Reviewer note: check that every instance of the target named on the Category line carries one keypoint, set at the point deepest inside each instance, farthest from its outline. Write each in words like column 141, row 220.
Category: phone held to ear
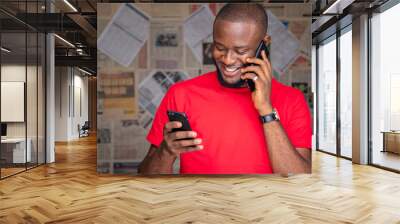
column 260, row 48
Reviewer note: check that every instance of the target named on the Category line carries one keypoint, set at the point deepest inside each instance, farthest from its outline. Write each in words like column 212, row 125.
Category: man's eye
column 219, row 48
column 242, row 52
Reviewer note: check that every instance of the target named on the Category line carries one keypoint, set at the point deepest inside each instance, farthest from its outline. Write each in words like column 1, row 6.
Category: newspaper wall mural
column 143, row 49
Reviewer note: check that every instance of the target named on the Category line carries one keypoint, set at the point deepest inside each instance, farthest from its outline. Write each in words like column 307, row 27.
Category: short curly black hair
column 244, row 12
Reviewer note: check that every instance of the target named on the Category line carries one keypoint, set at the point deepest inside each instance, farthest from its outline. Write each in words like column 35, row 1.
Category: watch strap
column 269, row 117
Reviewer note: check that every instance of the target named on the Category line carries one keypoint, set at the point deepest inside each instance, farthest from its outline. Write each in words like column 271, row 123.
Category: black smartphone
column 181, row 117
column 260, row 48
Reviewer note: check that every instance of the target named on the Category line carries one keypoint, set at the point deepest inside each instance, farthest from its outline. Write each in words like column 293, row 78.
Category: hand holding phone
column 180, row 117
column 250, row 83
column 180, row 138
column 259, row 68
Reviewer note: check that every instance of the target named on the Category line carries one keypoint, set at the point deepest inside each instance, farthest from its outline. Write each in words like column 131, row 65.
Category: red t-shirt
column 229, row 125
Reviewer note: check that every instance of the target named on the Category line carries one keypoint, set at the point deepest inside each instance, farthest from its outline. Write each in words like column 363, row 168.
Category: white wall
column 33, row 126
column 16, row 73
column 61, row 103
column 13, row 73
column 70, row 83
column 79, row 117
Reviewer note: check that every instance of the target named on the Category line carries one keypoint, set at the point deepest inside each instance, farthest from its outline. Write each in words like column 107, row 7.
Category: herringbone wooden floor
column 70, row 191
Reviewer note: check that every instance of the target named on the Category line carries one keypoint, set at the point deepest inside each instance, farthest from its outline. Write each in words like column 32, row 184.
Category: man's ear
column 267, row 39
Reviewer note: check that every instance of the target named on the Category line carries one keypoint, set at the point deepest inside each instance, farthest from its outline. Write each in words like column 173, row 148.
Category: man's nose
column 228, row 58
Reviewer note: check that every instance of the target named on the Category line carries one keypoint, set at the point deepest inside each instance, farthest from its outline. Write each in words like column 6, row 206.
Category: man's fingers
column 188, row 149
column 263, row 64
column 257, row 61
column 252, row 76
column 194, row 148
column 171, row 125
column 186, row 143
column 183, row 134
column 178, row 142
column 252, row 69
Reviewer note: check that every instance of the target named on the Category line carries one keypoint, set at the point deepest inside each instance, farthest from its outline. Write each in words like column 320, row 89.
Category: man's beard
column 239, row 84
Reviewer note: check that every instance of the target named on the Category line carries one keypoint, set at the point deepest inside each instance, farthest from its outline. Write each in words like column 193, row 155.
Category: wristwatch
column 270, row 117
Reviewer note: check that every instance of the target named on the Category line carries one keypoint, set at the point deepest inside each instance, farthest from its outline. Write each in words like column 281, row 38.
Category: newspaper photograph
column 196, row 28
column 207, row 54
column 117, row 91
column 166, row 45
column 128, row 140
column 154, row 87
column 125, row 34
column 284, row 46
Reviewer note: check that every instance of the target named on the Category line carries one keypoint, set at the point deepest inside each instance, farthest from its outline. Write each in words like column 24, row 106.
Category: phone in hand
column 262, row 46
column 181, row 117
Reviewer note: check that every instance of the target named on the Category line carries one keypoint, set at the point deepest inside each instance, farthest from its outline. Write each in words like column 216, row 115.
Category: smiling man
column 235, row 130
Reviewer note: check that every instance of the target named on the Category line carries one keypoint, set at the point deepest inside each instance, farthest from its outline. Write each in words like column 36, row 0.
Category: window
column 327, row 96
column 346, row 92
column 22, row 78
column 385, row 88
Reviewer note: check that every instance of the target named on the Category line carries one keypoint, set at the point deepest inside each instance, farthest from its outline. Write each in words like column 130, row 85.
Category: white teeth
column 231, row 69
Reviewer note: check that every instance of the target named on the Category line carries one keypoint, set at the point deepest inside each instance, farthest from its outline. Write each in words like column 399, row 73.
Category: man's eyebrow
column 242, row 47
column 236, row 47
column 216, row 42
